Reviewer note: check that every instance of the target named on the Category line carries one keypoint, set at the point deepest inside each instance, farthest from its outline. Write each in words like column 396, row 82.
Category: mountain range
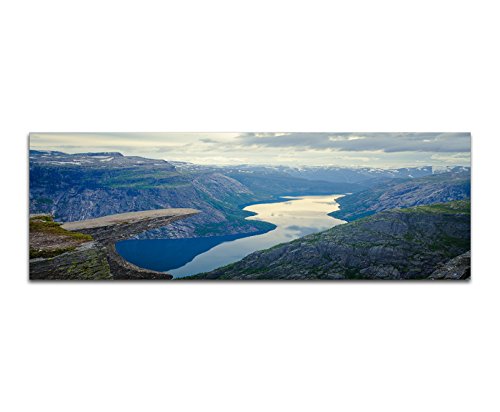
column 406, row 223
column 80, row 186
column 87, row 185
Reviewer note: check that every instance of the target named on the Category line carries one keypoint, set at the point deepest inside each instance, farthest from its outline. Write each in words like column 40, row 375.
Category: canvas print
column 249, row 206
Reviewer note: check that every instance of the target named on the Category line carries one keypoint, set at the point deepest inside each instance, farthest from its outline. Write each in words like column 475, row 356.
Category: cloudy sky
column 311, row 149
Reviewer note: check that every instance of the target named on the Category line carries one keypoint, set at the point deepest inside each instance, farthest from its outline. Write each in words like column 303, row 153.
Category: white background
column 249, row 66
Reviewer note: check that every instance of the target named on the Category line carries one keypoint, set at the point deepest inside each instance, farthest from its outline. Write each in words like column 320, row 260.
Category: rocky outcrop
column 398, row 244
column 113, row 228
column 86, row 262
column 77, row 257
column 457, row 268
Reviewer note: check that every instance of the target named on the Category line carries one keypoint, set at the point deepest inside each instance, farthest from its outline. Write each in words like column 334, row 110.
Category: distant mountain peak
column 113, row 154
column 100, row 160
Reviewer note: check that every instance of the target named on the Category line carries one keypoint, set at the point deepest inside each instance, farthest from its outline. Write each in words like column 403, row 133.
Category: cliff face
column 85, row 250
column 398, row 244
column 75, row 192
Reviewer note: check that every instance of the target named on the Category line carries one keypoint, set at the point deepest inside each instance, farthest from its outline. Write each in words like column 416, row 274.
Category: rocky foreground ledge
column 86, row 249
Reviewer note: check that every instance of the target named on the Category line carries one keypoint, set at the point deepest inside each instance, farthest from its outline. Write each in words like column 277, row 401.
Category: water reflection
column 294, row 218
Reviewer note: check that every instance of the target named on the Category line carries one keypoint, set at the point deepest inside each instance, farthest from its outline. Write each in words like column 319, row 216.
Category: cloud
column 208, row 140
column 385, row 142
column 332, row 149
column 452, row 158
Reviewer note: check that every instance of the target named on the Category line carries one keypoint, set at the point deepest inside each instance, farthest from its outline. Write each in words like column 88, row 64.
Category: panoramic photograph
column 249, row 206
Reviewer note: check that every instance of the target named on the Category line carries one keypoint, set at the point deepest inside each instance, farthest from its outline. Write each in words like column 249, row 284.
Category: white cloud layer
column 338, row 149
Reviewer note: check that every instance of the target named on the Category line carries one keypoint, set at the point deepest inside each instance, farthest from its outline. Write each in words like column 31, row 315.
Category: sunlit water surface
column 294, row 217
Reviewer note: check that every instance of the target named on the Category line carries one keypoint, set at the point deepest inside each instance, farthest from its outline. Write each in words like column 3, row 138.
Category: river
column 294, row 217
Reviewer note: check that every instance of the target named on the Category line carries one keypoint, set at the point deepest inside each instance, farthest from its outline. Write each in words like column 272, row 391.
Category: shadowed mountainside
column 397, row 244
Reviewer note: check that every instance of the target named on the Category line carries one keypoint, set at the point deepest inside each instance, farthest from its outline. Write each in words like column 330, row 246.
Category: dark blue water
column 165, row 254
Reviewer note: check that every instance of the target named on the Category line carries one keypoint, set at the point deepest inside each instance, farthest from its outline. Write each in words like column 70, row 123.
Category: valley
column 77, row 187
column 293, row 217
column 266, row 222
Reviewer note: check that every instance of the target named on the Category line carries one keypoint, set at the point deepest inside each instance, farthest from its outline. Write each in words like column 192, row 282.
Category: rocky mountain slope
column 457, row 268
column 401, row 193
column 82, row 186
column 397, row 244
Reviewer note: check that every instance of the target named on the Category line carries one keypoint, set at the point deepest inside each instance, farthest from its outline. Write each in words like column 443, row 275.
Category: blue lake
column 294, row 217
